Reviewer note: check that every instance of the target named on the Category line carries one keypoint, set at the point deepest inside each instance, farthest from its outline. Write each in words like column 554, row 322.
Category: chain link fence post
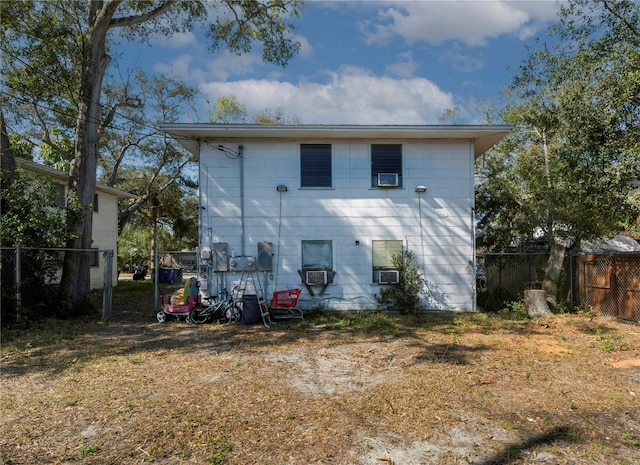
column 107, row 290
column 156, row 266
column 18, row 282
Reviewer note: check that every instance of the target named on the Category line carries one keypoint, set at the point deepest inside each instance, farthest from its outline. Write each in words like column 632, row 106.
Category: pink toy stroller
column 182, row 304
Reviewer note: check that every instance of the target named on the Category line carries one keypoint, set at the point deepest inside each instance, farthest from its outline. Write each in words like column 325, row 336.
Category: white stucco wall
column 348, row 212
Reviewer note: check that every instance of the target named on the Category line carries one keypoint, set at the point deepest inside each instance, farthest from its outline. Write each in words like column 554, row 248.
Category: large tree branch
column 125, row 215
column 141, row 18
column 611, row 9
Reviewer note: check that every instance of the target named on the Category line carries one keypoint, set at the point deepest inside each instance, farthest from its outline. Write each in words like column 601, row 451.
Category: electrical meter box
column 265, row 255
column 219, row 255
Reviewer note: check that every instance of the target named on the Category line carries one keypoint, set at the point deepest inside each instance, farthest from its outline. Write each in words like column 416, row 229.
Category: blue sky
column 373, row 62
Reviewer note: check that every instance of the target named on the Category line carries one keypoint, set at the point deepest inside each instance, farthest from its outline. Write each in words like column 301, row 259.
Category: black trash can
column 250, row 309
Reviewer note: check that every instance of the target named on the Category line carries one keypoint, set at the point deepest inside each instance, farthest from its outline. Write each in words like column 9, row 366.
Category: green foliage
column 631, row 438
column 134, row 246
column 30, row 215
column 54, row 67
column 219, row 450
column 495, row 300
column 155, row 169
column 88, row 451
column 228, row 110
column 567, row 168
column 20, row 147
column 32, row 220
column 356, row 321
column 404, row 296
column 275, row 116
column 514, row 310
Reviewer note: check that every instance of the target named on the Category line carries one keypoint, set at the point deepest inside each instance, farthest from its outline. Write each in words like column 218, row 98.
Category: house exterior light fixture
column 282, row 188
column 420, row 189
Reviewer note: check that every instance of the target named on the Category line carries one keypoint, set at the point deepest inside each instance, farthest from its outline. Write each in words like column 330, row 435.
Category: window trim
column 318, row 267
column 61, row 191
column 305, row 182
column 95, row 257
column 396, row 166
column 388, row 265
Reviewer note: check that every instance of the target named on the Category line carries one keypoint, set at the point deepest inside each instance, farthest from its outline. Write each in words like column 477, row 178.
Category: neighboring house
column 325, row 207
column 105, row 217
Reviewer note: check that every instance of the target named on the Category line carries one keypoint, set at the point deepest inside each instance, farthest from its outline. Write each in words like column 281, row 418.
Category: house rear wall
column 437, row 226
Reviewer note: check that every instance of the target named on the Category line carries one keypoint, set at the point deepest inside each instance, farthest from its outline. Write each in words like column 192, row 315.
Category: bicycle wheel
column 232, row 312
column 199, row 315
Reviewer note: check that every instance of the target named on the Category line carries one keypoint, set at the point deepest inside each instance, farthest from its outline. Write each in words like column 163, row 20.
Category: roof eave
column 190, row 134
column 57, row 174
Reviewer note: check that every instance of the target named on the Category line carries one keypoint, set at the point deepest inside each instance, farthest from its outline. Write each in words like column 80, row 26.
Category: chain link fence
column 30, row 279
column 608, row 284
column 503, row 277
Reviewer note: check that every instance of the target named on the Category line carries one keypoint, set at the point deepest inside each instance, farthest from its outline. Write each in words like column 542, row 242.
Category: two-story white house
column 325, row 207
column 105, row 217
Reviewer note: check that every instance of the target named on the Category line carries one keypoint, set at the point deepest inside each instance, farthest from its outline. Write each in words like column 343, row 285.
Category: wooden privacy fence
column 610, row 284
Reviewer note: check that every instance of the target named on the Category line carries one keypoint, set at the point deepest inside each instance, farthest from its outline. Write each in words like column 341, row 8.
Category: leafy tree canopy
column 56, row 55
column 228, row 110
column 567, row 172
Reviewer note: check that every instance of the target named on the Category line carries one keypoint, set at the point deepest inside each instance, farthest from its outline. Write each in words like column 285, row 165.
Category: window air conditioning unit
column 316, row 277
column 388, row 277
column 387, row 179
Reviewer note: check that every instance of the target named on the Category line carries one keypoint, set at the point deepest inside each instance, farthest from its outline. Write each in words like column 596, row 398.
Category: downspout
column 200, row 206
column 242, row 222
column 474, row 265
column 474, row 259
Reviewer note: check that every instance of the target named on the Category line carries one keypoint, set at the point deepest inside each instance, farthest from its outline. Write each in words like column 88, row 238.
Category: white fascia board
column 190, row 134
column 53, row 173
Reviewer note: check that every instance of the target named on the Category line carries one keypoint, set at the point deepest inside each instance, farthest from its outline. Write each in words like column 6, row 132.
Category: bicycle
column 225, row 308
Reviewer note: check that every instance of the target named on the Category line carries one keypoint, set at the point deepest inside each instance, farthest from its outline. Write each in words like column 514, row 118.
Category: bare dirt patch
column 439, row 389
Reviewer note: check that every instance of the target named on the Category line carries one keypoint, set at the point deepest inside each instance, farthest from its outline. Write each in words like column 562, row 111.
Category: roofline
column 189, row 134
column 54, row 173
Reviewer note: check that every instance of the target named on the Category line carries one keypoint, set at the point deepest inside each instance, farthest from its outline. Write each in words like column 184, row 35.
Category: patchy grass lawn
column 332, row 389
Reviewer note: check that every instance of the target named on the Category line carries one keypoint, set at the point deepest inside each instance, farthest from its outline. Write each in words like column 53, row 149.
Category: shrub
column 404, row 296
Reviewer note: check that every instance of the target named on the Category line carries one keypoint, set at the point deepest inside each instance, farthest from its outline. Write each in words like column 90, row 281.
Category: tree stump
column 535, row 301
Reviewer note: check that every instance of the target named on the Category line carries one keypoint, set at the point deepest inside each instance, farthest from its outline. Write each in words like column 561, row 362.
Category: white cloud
column 180, row 67
column 178, row 40
column 306, row 49
column 202, row 66
column 405, row 67
column 470, row 22
column 351, row 95
column 462, row 59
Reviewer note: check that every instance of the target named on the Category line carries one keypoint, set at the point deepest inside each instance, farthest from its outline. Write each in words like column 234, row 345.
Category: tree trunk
column 535, row 301
column 7, row 155
column 552, row 273
column 8, row 162
column 76, row 271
